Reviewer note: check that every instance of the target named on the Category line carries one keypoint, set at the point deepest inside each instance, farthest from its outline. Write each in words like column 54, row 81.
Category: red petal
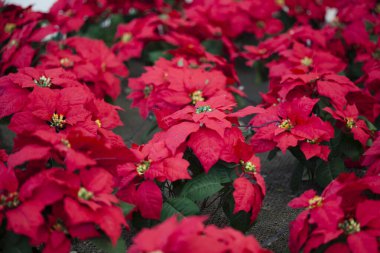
column 207, row 146
column 149, row 200
column 362, row 242
column 176, row 135
column 110, row 220
column 28, row 153
column 176, row 168
column 25, row 220
column 244, row 195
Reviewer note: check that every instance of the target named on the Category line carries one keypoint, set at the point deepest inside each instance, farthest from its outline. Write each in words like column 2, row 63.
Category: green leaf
column 155, row 55
column 326, row 172
column 140, row 222
column 240, row 220
column 178, row 206
column 323, row 175
column 272, row 154
column 213, row 46
column 13, row 243
column 201, row 187
column 222, row 172
column 126, row 207
column 351, row 148
column 105, row 244
column 336, row 167
column 370, row 126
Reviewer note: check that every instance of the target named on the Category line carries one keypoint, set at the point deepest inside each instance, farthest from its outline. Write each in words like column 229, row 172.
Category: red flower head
column 304, row 11
column 107, row 65
column 133, row 37
column 190, row 235
column 15, row 88
column 332, row 86
column 171, row 85
column 91, row 61
column 70, row 15
column 91, row 196
column 372, row 158
column 348, row 116
column 54, row 110
column 301, row 60
column 72, row 148
column 13, row 17
column 154, row 161
column 22, row 205
column 206, row 122
column 18, row 52
column 344, row 211
column 289, row 123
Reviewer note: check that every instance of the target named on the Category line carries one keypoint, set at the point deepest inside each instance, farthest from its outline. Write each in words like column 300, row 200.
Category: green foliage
column 126, row 207
column 179, row 206
column 240, row 220
column 222, row 172
column 156, row 50
column 213, row 46
column 104, row 29
column 350, row 147
column 139, row 222
column 105, row 244
column 13, row 243
column 201, row 187
column 327, row 172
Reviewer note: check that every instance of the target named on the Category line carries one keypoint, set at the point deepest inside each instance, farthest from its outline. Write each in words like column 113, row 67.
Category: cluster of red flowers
column 303, row 77
column 344, row 218
column 305, row 83
column 65, row 155
column 191, row 235
column 54, row 86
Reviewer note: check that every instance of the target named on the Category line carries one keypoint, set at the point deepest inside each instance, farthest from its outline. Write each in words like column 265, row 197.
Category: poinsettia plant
column 68, row 175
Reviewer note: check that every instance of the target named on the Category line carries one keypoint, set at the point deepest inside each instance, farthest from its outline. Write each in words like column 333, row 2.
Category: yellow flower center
column 99, row 123
column 58, row 121
column 43, row 81
column 196, row 96
column 377, row 8
column 59, row 226
column 248, row 167
column 147, row 90
column 350, row 226
column 66, row 143
column 314, row 202
column 201, row 109
column 13, row 43
column 9, row 200
column 313, row 141
column 286, row 124
column 307, row 61
column 68, row 13
column 350, row 122
column 66, row 63
column 9, row 27
column 260, row 24
column 83, row 193
column 280, row 2
column 103, row 67
column 126, row 37
column 142, row 167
